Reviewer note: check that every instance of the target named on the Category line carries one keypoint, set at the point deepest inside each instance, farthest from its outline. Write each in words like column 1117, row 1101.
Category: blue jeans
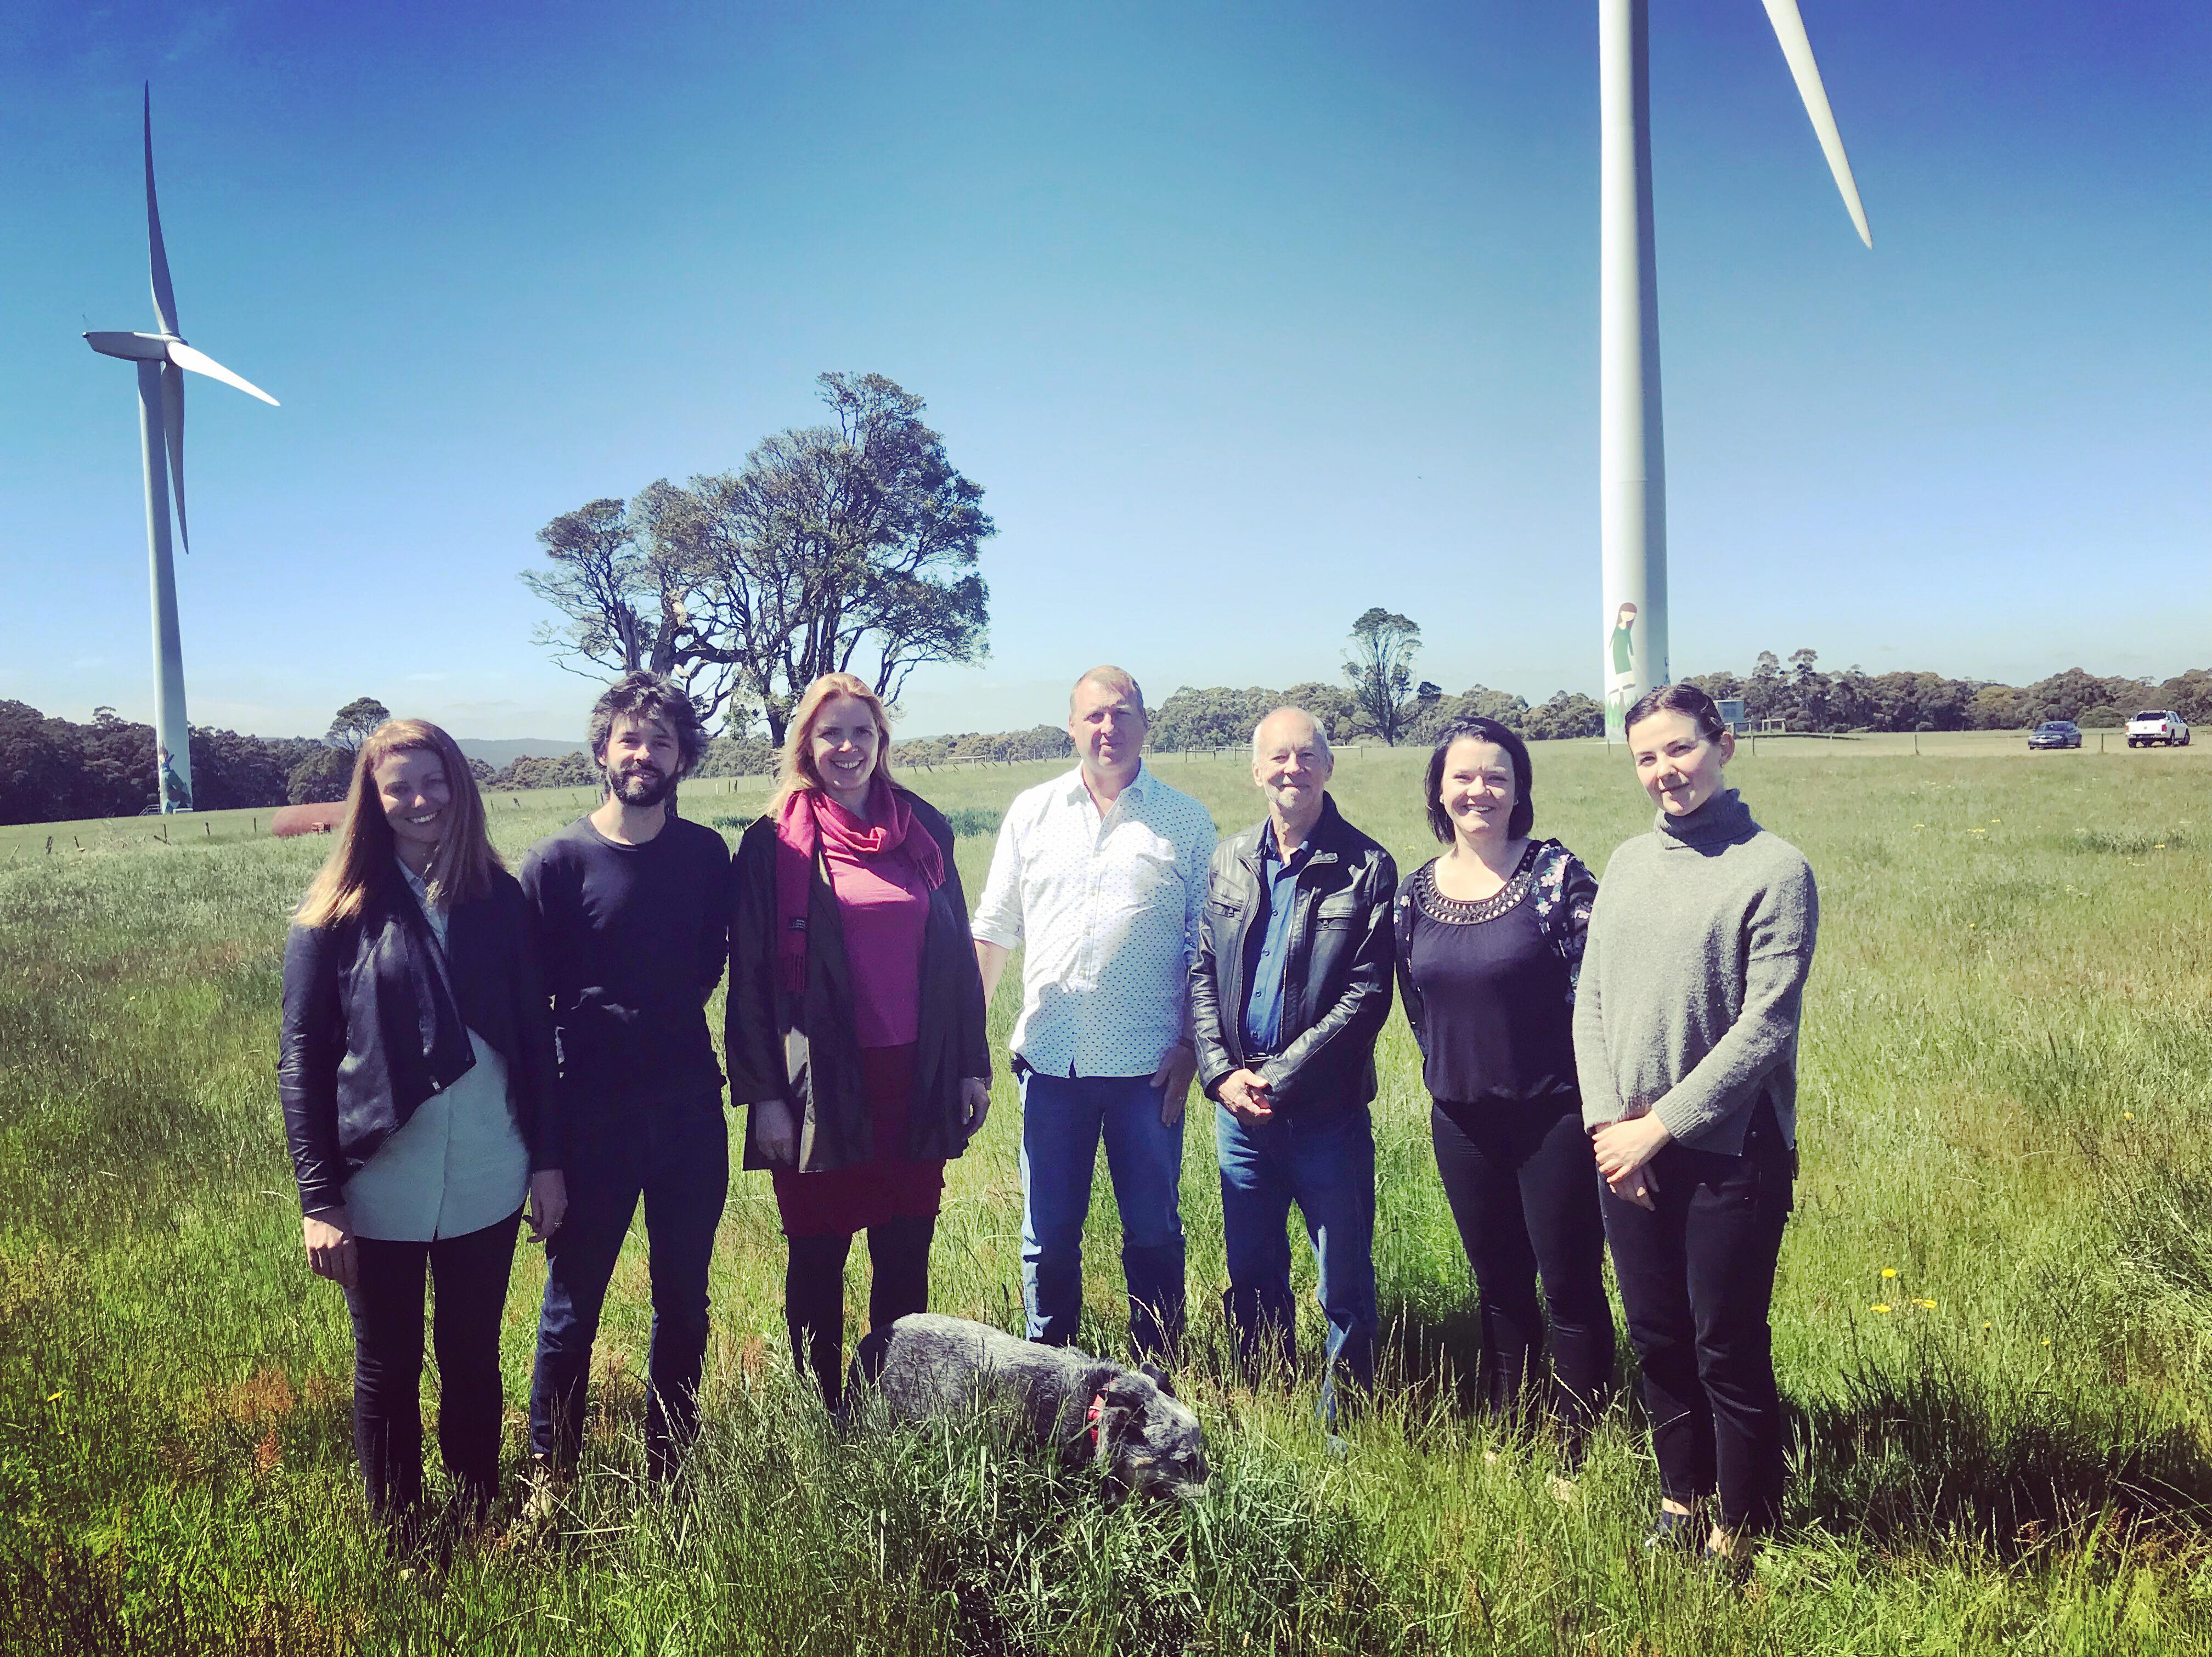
column 1063, row 1118
column 676, row 1156
column 1323, row 1160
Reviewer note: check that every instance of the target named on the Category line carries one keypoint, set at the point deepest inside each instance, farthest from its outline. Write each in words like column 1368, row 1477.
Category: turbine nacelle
column 168, row 348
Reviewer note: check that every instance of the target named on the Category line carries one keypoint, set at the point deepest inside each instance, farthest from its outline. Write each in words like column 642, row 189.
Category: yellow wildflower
column 1925, row 1305
column 2127, row 1116
column 1881, row 1307
column 1889, row 1271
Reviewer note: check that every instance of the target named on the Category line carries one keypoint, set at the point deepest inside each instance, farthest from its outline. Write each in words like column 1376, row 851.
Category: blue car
column 2056, row 733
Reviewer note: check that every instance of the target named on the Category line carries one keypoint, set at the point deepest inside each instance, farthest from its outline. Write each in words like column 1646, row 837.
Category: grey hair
column 1320, row 731
column 1111, row 678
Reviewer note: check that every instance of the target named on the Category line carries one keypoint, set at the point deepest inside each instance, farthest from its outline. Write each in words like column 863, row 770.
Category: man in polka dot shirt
column 1100, row 877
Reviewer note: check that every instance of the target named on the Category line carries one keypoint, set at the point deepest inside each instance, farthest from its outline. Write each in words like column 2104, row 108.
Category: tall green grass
column 2008, row 1444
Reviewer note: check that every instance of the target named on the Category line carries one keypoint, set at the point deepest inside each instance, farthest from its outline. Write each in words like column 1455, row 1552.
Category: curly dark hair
column 1678, row 699
column 1524, row 817
column 645, row 695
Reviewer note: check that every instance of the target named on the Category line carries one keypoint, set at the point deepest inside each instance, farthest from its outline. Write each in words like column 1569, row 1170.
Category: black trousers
column 1697, row 1278
column 814, row 1293
column 469, row 1274
column 674, row 1157
column 1523, row 1188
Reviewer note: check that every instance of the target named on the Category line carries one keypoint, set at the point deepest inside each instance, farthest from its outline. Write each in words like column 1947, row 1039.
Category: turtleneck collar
column 1720, row 820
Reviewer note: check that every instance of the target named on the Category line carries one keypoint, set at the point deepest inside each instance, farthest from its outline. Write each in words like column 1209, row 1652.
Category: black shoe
column 1673, row 1533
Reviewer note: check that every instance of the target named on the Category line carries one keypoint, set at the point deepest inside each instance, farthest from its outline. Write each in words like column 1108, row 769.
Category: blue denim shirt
column 1278, row 891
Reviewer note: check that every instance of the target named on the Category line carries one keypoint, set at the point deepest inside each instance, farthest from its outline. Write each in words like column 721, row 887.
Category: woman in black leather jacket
column 416, row 1069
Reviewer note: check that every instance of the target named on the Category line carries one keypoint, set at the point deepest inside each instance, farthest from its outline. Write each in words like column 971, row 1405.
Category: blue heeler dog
column 1127, row 1421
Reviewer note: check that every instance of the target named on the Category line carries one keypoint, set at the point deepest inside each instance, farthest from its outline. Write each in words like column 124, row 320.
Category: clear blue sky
column 1247, row 319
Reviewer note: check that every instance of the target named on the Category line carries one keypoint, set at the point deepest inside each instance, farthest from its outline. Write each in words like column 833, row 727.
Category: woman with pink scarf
column 855, row 1018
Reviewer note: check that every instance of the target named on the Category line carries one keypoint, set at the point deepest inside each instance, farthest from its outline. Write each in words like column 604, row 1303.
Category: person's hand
column 1172, row 1078
column 773, row 1131
column 1246, row 1096
column 1622, row 1148
column 975, row 1103
column 548, row 1204
column 329, row 1236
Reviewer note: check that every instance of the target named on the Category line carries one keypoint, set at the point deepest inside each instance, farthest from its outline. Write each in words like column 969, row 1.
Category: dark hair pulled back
column 1685, row 698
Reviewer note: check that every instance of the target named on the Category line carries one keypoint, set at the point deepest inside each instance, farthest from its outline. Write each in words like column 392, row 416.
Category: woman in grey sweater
column 1686, row 1043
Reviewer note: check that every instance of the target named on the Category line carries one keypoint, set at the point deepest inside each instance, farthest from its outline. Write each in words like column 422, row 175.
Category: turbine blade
column 165, row 296
column 201, row 363
column 136, row 348
column 172, row 422
column 1789, row 30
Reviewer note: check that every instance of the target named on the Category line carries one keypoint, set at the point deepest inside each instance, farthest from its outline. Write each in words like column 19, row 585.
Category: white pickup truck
column 2161, row 726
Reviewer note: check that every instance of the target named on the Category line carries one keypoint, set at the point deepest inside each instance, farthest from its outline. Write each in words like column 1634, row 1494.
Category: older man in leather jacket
column 1291, row 987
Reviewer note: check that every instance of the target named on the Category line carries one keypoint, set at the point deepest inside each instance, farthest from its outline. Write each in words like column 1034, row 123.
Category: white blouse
column 458, row 1163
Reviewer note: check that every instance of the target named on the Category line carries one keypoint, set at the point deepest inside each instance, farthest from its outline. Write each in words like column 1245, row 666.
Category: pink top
column 883, row 903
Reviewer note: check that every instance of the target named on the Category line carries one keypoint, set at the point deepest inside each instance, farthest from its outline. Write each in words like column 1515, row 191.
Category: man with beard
column 631, row 906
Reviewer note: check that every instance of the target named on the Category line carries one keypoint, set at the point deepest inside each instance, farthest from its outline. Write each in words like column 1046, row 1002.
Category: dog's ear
column 1158, row 1376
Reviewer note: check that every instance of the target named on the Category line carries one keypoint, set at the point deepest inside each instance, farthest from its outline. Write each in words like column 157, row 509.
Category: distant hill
column 504, row 752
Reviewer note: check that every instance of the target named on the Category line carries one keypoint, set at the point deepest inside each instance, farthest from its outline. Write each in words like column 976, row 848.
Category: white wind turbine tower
column 1632, row 455
column 162, row 358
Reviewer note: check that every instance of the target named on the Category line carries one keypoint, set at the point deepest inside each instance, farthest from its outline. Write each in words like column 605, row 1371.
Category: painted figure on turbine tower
column 1621, row 689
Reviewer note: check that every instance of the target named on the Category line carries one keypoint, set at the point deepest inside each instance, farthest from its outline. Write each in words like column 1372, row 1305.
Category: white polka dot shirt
column 1108, row 908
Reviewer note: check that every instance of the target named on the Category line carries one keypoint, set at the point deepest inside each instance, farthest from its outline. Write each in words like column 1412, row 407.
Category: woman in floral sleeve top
column 1489, row 939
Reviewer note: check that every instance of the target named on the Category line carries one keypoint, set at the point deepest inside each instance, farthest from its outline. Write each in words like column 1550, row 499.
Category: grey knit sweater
column 1693, row 976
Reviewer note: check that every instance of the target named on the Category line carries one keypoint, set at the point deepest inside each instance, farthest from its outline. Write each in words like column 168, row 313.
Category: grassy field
column 2007, row 1444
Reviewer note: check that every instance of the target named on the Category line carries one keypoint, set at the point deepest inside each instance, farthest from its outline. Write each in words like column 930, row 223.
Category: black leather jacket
column 831, row 1113
column 1336, row 984
column 372, row 1029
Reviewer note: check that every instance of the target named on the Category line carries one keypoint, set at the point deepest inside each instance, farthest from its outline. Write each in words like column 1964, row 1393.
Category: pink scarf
column 811, row 818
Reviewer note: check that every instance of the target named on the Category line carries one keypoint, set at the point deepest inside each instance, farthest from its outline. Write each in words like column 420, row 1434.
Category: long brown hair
column 460, row 869
column 795, row 766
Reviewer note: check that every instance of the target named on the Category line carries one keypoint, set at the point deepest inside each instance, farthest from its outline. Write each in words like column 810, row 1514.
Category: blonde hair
column 460, row 869
column 794, row 765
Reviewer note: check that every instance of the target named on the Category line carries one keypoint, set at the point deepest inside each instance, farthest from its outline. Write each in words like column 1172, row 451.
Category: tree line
column 1808, row 699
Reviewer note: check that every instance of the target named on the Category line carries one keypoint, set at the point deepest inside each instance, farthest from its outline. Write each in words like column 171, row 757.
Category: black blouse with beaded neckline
column 1489, row 984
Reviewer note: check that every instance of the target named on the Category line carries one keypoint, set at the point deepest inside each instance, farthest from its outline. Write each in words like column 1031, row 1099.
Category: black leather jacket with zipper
column 1337, row 981
column 377, row 1019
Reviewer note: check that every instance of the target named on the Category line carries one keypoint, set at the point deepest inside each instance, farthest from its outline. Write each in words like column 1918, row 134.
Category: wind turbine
column 162, row 360
column 1631, row 454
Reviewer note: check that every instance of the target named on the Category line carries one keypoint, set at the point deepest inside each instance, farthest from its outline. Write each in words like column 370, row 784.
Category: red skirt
column 840, row 1201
